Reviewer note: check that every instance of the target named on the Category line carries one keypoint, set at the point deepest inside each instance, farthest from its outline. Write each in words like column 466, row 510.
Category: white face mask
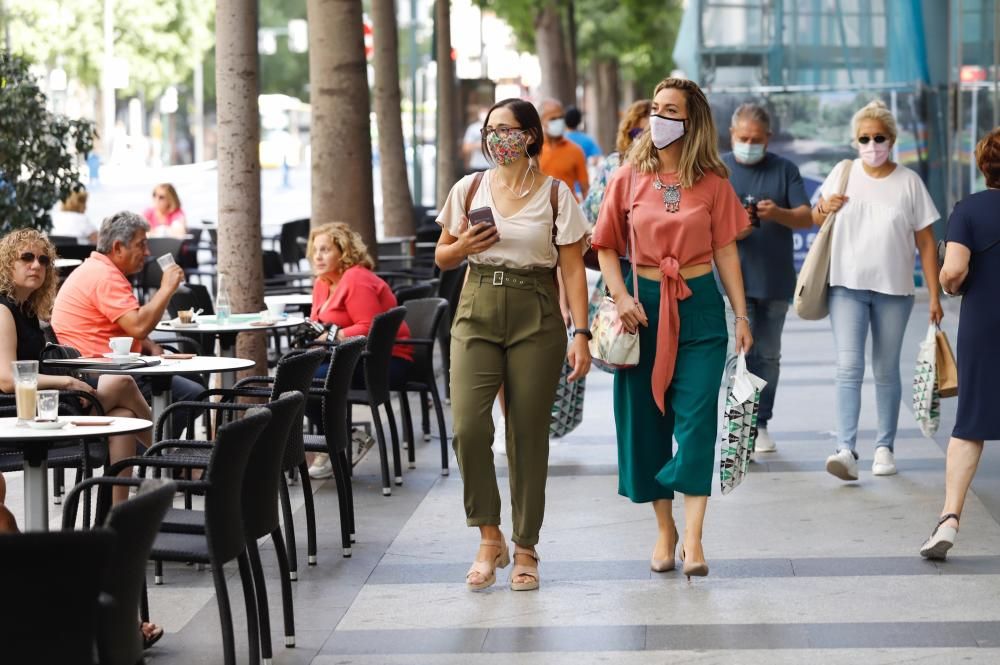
column 665, row 130
column 556, row 127
column 748, row 153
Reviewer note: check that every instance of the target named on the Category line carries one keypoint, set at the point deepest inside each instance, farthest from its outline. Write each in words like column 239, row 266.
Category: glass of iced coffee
column 25, row 389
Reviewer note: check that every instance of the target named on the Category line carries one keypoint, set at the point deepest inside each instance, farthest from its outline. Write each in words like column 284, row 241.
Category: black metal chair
column 291, row 251
column 295, row 372
column 415, row 291
column 135, row 523
column 71, row 569
column 260, row 499
column 376, row 359
column 423, row 317
column 75, row 251
column 225, row 537
column 336, row 438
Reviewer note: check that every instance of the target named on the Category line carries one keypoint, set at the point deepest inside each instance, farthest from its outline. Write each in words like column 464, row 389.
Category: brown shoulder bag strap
column 476, row 180
column 554, row 202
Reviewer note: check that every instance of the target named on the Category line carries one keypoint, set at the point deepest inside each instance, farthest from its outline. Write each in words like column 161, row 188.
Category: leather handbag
column 613, row 347
column 813, row 283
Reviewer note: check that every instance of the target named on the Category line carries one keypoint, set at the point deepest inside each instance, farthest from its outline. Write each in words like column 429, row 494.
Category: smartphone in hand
column 482, row 215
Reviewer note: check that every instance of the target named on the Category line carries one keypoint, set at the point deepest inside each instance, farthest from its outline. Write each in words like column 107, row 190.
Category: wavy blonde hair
column 700, row 151
column 353, row 251
column 171, row 192
column 633, row 114
column 39, row 303
column 874, row 110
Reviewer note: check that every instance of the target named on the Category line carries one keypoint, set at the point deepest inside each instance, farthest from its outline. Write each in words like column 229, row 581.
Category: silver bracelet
column 741, row 318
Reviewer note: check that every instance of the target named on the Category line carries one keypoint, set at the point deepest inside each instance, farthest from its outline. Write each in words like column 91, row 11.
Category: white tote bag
column 926, row 398
column 739, row 428
column 612, row 347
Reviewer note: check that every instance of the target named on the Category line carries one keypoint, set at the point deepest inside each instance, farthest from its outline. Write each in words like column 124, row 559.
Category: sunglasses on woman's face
column 878, row 138
column 30, row 257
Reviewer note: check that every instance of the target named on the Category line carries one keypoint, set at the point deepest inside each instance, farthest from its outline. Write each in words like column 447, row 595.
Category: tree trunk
column 630, row 92
column 447, row 101
column 550, row 45
column 397, row 206
column 605, row 112
column 341, row 133
column 238, row 120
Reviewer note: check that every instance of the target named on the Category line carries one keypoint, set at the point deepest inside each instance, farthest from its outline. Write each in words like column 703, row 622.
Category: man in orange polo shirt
column 96, row 302
column 561, row 158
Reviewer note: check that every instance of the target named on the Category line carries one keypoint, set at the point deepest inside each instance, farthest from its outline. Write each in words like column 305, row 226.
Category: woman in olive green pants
column 508, row 330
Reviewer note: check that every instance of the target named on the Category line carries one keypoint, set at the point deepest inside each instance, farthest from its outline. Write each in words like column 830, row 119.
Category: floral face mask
column 506, row 147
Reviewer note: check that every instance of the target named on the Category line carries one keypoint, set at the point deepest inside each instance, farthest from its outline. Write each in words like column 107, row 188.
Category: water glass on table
column 25, row 389
column 48, row 406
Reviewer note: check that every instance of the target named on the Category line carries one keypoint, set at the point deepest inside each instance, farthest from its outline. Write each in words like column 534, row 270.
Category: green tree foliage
column 160, row 39
column 639, row 34
column 39, row 151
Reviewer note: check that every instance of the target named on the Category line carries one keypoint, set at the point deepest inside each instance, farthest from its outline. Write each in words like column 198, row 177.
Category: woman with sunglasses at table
column 27, row 290
column 885, row 213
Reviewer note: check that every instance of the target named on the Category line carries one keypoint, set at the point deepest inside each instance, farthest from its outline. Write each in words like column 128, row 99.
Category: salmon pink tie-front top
column 710, row 217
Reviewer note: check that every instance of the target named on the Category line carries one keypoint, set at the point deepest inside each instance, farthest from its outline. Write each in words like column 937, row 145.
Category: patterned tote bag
column 739, row 429
column 567, row 410
column 926, row 398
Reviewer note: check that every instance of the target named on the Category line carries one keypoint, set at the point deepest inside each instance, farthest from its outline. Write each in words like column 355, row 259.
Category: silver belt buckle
column 498, row 278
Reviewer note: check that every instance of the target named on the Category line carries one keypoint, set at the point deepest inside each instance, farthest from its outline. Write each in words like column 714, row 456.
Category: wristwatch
column 582, row 331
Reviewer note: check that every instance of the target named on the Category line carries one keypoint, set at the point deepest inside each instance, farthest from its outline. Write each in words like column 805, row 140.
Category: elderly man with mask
column 96, row 302
column 561, row 158
column 772, row 192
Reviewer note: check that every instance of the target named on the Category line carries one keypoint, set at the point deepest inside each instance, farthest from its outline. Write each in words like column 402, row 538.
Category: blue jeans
column 767, row 320
column 851, row 312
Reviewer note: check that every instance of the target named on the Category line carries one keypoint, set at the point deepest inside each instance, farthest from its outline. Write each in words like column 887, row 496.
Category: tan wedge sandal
column 488, row 569
column 520, row 570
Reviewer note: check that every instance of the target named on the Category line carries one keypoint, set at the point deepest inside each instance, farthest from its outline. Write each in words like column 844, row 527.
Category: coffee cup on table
column 275, row 310
column 120, row 346
column 185, row 315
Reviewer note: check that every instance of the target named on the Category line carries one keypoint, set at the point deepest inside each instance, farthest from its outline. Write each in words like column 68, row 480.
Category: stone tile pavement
column 804, row 568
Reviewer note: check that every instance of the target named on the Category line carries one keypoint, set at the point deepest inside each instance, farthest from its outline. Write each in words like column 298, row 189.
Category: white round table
column 67, row 263
column 161, row 375
column 35, row 443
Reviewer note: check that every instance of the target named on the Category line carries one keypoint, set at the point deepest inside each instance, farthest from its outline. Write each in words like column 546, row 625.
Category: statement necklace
column 671, row 194
column 523, row 192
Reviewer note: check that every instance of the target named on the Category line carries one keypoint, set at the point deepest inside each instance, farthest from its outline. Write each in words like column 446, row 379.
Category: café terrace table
column 34, row 445
column 159, row 374
column 227, row 332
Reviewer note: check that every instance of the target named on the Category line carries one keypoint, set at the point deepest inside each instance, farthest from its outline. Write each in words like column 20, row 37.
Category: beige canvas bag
column 813, row 283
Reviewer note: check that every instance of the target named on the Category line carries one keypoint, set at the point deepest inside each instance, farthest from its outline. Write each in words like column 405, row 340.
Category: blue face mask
column 748, row 153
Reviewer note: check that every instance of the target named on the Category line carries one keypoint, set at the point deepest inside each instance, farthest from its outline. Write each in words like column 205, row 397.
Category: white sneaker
column 885, row 462
column 764, row 443
column 500, row 436
column 321, row 467
column 843, row 464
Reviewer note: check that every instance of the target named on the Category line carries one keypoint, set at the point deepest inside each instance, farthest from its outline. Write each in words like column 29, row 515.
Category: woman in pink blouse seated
column 165, row 216
column 347, row 294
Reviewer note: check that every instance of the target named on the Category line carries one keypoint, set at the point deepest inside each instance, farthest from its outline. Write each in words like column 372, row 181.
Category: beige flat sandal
column 488, row 569
column 521, row 570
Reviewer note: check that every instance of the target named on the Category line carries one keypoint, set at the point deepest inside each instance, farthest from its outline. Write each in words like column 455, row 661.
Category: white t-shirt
column 873, row 244
column 526, row 236
column 73, row 224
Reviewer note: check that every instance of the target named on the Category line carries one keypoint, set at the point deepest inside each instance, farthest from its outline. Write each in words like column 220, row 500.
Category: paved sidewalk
column 804, row 568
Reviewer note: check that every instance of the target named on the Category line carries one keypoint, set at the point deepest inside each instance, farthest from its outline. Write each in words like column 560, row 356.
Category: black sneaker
column 361, row 443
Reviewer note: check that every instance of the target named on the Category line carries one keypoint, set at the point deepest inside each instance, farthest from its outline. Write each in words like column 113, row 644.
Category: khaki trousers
column 507, row 331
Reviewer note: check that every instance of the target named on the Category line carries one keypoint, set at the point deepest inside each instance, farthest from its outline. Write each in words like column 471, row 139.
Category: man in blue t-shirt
column 591, row 150
column 775, row 199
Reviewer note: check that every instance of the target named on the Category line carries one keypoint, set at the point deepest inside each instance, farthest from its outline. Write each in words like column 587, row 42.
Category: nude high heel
column 693, row 569
column 664, row 565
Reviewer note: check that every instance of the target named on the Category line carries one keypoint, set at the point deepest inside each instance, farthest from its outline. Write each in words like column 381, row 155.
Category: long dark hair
column 526, row 116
